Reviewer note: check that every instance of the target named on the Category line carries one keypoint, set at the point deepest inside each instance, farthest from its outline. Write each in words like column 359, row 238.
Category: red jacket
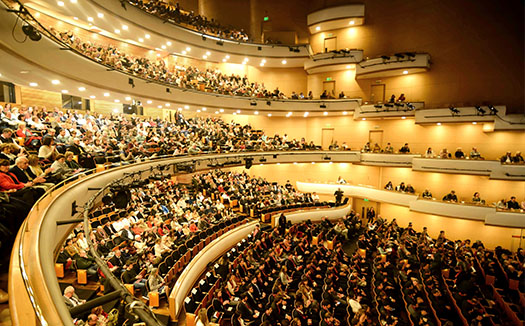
column 8, row 181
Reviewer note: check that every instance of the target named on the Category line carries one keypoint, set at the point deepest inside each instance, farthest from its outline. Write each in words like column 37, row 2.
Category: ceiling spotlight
column 65, row 91
column 117, row 31
column 224, row 60
column 81, row 88
column 183, row 52
column 186, row 107
column 92, row 96
column 283, row 62
column 147, row 36
column 141, row 39
column 188, row 49
column 453, row 110
column 221, row 110
column 227, row 56
column 480, row 110
column 325, row 113
column 60, row 3
column 168, row 43
column 127, row 98
column 345, row 113
column 106, row 94
column 208, row 53
column 256, row 112
column 405, row 72
column 117, row 101
column 352, row 22
column 493, row 110
column 90, row 19
column 204, row 109
column 163, row 47
column 125, row 27
column 55, row 82
column 100, row 15
column 149, row 101
column 318, row 28
column 269, row 114
column 439, row 123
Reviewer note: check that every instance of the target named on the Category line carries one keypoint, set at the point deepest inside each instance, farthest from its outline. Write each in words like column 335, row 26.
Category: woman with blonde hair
column 202, row 318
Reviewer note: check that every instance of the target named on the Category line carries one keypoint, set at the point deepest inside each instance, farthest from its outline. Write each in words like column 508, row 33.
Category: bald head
column 22, row 162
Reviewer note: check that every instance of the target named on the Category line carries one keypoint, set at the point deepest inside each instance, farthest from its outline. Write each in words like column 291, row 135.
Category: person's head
column 69, row 291
column 92, row 320
column 33, row 160
column 202, row 316
column 4, row 165
column 7, row 132
column 22, row 162
column 452, row 192
column 69, row 156
column 60, row 158
column 47, row 141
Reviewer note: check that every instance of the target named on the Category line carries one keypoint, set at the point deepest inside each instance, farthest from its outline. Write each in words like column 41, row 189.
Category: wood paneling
column 37, row 97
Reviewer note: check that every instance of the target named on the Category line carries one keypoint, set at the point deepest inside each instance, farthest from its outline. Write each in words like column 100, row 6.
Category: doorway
column 327, row 137
column 375, row 137
column 329, row 87
column 377, row 93
column 330, row 44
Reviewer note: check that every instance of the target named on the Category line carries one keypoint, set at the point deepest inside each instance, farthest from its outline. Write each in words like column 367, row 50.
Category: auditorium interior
column 262, row 162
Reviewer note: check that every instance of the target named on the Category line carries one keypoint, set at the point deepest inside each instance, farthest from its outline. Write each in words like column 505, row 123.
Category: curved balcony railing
column 32, row 262
column 46, row 53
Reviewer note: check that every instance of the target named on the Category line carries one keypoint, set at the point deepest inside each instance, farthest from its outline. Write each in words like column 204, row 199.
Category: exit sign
column 266, row 18
column 328, row 78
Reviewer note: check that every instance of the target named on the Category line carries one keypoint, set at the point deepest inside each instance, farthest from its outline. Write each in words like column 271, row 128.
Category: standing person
column 282, row 223
column 338, row 196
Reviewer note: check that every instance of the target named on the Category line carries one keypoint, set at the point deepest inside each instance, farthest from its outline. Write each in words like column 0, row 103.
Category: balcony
column 395, row 65
column 333, row 61
column 332, row 18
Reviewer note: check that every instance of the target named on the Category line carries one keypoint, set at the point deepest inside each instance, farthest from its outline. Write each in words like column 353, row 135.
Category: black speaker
column 248, row 163
column 31, row 32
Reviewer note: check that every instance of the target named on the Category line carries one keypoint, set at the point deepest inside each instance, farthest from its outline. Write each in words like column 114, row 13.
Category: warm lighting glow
column 439, row 123
column 325, row 113
column 405, row 72
column 65, row 91
column 351, row 22
column 127, row 98
column 269, row 114
column 159, row 106
column 204, row 109
column 81, row 88
column 261, row 64
column 205, row 57
column 75, row 18
column 223, row 60
column 90, row 19
column 149, row 101
column 141, row 39
column 168, row 43
column 187, row 107
column 164, row 47
column 167, row 105
column 55, row 82
column 363, row 119
column 188, row 49
column 283, row 62
column 147, row 36
column 100, row 15
column 115, row 110
column 117, row 101
column 183, row 52
column 318, row 28
column 92, row 96
column 246, row 60
column 474, row 123
column 208, row 53
column 106, row 94
column 216, row 112
column 256, row 112
column 403, row 118
column 227, row 56
column 306, row 114
column 73, row 1
column 348, row 66
column 60, row 3
column 221, row 110
column 125, row 27
column 345, row 113
column 117, row 31
column 239, row 111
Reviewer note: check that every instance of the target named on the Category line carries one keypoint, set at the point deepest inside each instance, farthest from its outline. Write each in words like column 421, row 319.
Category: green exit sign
column 366, row 199
column 328, row 78
column 266, row 18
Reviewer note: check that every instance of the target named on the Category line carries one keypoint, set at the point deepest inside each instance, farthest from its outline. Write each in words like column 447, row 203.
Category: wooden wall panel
column 37, row 97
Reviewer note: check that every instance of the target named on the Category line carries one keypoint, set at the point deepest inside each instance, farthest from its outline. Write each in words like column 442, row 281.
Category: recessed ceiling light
column 239, row 111
column 313, row 162
column 403, row 118
column 125, row 27
column 141, row 39
column 183, row 52
column 188, row 49
column 117, row 101
column 117, row 31
column 60, row 3
column 164, row 47
column 167, row 105
column 55, row 82
column 73, row 1
column 75, row 18
column 352, row 22
column 208, row 53
column 221, row 110
column 227, row 56
column 24, row 71
column 269, row 114
column 149, row 101
column 234, row 113
column 65, row 91
column 147, row 36
column 127, row 98
column 246, row 60
column 261, row 64
column 106, row 94
column 92, row 96
column 33, row 84
column 90, row 19
column 256, row 112
column 100, row 15
column 168, row 43
column 363, row 119
column 345, row 113
column 81, row 88
column 439, row 123
column 474, row 123
column 204, row 109
column 216, row 112
column 348, row 66
column 283, row 62
column 325, row 113
column 205, row 57
column 223, row 60
column 198, row 111
column 187, row 107
column 306, row 114
column 263, row 60
column 318, row 28
column 159, row 106
column 405, row 72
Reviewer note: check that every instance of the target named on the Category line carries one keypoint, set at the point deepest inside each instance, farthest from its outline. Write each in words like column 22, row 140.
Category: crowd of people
column 189, row 19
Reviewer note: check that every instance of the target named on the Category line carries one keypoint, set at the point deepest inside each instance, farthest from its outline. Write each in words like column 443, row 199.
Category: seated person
column 476, row 199
column 512, row 203
column 426, row 194
column 60, row 167
column 366, row 148
column 83, row 261
column 340, row 180
column 451, row 197
column 401, row 98
column 474, row 154
column 502, row 204
column 71, row 298
column 25, row 191
column 429, row 153
column 410, row 189
column 405, row 149
column 389, row 149
column 389, row 186
column 71, row 163
column 444, row 153
column 392, row 99
column 518, row 158
column 377, row 148
column 401, row 187
column 459, row 153
column 507, row 158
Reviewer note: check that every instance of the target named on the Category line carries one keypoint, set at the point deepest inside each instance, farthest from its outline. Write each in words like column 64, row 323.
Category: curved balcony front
column 332, row 18
column 111, row 15
column 394, row 65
